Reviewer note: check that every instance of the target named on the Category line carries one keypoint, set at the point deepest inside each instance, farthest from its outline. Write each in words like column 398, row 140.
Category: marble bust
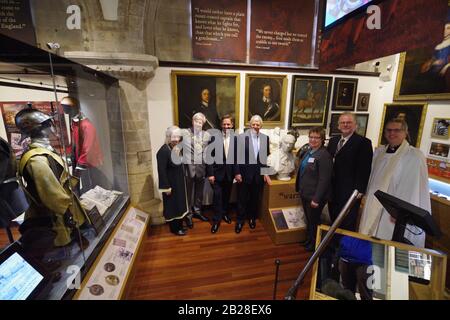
column 282, row 161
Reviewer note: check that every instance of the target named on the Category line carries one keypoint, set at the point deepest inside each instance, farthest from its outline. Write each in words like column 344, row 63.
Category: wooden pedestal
column 281, row 194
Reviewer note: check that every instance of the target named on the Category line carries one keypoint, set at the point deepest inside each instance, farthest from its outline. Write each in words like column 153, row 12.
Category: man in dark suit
column 252, row 171
column 352, row 155
column 221, row 171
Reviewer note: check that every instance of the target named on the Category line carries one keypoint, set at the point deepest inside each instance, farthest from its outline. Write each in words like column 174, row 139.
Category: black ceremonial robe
column 171, row 177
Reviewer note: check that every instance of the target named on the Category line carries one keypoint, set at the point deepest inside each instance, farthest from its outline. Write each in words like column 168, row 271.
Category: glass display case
column 359, row 267
column 62, row 124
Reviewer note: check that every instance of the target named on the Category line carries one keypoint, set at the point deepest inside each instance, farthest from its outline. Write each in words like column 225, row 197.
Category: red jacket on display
column 87, row 147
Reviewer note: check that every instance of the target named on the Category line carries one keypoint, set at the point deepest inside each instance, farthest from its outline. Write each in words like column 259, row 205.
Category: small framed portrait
column 265, row 95
column 344, row 94
column 440, row 128
column 363, row 102
column 334, row 125
column 412, row 112
column 213, row 94
column 310, row 100
column 362, row 119
column 438, row 149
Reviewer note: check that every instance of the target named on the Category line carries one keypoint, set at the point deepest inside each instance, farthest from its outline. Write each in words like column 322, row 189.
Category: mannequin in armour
column 86, row 150
column 282, row 160
column 55, row 212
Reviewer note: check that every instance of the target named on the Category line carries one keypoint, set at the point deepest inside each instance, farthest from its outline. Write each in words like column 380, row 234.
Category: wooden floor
column 202, row 265
column 207, row 266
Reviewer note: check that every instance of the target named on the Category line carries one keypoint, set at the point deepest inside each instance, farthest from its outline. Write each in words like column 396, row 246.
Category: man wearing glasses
column 352, row 156
column 400, row 170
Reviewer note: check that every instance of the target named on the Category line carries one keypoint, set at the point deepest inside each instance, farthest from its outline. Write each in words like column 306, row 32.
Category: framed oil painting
column 440, row 128
column 363, row 102
column 438, row 149
column 213, row 94
column 344, row 94
column 362, row 119
column 265, row 95
column 412, row 112
column 310, row 100
column 334, row 125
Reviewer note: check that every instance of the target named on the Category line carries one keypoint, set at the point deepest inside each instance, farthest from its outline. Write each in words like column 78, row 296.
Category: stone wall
column 97, row 39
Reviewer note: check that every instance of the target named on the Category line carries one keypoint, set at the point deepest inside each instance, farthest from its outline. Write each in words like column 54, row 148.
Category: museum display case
column 376, row 269
column 63, row 124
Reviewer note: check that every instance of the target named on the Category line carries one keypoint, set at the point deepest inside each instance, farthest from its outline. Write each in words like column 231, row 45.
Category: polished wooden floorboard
column 208, row 266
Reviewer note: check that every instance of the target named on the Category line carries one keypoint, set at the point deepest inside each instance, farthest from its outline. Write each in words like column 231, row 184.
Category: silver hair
column 256, row 117
column 199, row 115
column 350, row 114
column 170, row 131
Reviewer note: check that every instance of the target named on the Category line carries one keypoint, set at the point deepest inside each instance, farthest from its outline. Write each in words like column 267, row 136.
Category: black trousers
column 250, row 195
column 349, row 223
column 355, row 275
column 312, row 219
column 221, row 200
column 176, row 225
column 195, row 193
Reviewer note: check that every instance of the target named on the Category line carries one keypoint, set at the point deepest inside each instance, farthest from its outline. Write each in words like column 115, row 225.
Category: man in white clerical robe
column 400, row 170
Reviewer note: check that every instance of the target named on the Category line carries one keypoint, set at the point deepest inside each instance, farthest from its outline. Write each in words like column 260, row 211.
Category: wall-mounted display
column 18, row 142
column 283, row 31
column 219, row 30
column 363, row 102
column 440, row 128
column 265, row 95
column 438, row 149
column 439, row 168
column 412, row 112
column 344, row 94
column 421, row 76
column 213, row 94
column 334, row 130
column 423, row 73
column 310, row 100
column 362, row 119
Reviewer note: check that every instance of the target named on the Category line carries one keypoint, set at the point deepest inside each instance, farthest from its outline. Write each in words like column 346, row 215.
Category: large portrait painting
column 266, row 97
column 310, row 100
column 412, row 112
column 424, row 74
column 213, row 94
column 344, row 94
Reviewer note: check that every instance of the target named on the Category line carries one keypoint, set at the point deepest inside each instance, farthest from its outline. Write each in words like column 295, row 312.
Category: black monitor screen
column 18, row 278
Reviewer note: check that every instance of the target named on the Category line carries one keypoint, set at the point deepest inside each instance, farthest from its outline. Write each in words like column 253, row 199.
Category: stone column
column 133, row 72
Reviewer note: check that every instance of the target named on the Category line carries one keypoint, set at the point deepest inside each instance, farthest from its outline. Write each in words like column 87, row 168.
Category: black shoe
column 227, row 219
column 180, row 233
column 252, row 223
column 189, row 222
column 238, row 228
column 215, row 227
column 200, row 216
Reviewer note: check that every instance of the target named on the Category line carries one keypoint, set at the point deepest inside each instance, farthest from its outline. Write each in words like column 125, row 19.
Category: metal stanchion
column 277, row 268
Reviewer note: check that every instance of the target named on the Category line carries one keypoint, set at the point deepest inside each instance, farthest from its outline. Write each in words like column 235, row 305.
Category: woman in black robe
column 172, row 183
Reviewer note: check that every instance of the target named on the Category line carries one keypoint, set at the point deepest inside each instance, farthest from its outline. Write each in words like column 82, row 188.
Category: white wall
column 161, row 116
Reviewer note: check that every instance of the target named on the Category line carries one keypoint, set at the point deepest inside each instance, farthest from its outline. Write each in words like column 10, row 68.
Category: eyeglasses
column 346, row 123
column 315, row 138
column 393, row 130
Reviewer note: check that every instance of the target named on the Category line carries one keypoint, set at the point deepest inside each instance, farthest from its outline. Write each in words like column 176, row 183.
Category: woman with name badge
column 313, row 182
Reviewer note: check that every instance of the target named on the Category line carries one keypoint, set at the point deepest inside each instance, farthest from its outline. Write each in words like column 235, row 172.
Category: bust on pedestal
column 282, row 161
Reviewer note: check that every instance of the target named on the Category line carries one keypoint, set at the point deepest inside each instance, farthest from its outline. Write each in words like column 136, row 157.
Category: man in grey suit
column 195, row 140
